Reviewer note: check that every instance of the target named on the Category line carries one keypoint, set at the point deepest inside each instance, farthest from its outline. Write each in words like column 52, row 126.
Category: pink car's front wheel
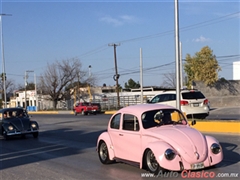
column 151, row 162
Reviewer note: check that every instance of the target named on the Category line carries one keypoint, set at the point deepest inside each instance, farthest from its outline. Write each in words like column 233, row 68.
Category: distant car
column 86, row 108
column 192, row 102
column 16, row 121
column 156, row 137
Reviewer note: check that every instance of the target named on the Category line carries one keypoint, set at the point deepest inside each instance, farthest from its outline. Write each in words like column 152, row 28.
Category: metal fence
column 111, row 103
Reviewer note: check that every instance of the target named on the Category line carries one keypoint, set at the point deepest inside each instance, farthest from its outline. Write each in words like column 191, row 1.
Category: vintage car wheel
column 151, row 162
column 35, row 135
column 103, row 153
column 23, row 136
column 5, row 136
column 83, row 113
column 75, row 113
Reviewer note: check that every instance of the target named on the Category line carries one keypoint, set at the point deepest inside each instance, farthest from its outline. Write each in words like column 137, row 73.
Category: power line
column 105, row 73
column 186, row 28
column 193, row 26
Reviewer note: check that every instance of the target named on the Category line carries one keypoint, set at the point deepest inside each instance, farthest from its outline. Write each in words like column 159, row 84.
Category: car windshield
column 162, row 117
column 16, row 113
column 193, row 95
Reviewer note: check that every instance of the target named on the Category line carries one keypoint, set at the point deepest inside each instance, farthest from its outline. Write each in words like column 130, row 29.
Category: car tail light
column 205, row 101
column 183, row 103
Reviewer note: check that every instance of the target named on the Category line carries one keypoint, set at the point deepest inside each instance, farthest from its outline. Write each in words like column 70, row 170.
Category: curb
column 43, row 112
column 218, row 126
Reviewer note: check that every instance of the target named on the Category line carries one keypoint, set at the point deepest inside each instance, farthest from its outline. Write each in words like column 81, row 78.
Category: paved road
column 225, row 113
column 66, row 150
column 218, row 113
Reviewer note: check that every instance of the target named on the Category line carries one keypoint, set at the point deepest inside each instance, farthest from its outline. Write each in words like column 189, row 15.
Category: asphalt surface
column 224, row 113
column 216, row 113
column 66, row 150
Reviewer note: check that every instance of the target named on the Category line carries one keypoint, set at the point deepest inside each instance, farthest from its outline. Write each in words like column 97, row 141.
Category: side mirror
column 193, row 122
column 148, row 101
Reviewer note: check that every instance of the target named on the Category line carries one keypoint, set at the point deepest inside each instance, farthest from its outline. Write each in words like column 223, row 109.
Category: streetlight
column 3, row 62
column 89, row 90
column 26, row 76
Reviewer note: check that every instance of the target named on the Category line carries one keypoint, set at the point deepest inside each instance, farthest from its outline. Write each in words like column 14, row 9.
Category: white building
column 30, row 98
column 236, row 70
column 34, row 101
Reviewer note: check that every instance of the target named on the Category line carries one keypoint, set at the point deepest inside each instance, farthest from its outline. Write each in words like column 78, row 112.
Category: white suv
column 192, row 102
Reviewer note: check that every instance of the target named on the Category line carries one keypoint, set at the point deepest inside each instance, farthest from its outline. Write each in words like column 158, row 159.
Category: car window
column 172, row 97
column 168, row 97
column 160, row 98
column 130, row 123
column 164, row 97
column 193, row 95
column 14, row 113
column 156, row 99
column 162, row 117
column 115, row 122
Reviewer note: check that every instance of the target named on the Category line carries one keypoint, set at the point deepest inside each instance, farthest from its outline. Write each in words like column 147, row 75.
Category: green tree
column 132, row 84
column 203, row 66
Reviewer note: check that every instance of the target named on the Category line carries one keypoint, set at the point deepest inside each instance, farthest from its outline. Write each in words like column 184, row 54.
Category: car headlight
column 169, row 154
column 215, row 148
column 10, row 128
column 33, row 125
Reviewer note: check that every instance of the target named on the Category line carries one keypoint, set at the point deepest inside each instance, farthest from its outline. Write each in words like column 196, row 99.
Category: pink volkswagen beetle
column 156, row 137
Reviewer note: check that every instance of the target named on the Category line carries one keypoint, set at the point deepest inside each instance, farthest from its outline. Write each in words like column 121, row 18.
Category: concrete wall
column 222, row 94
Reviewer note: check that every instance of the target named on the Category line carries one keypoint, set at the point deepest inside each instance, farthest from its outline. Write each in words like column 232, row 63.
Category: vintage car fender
column 106, row 138
column 158, row 148
column 5, row 126
column 213, row 158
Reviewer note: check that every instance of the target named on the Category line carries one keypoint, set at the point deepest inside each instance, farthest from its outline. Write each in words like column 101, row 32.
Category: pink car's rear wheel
column 103, row 153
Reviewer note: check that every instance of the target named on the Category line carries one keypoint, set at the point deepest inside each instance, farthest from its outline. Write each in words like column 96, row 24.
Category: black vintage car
column 16, row 121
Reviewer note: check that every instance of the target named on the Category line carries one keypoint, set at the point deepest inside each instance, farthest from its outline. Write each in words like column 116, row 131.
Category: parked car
column 86, row 108
column 156, row 137
column 192, row 102
column 16, row 121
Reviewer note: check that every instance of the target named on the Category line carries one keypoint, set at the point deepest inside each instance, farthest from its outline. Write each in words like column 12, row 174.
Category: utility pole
column 36, row 96
column 177, row 56
column 3, row 62
column 116, row 76
column 141, row 75
column 26, row 76
column 89, row 87
column 181, row 66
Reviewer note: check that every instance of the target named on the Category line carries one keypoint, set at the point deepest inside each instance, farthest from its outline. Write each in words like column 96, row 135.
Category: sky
column 37, row 33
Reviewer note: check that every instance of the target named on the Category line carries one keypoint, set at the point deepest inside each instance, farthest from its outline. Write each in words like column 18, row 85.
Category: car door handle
column 120, row 134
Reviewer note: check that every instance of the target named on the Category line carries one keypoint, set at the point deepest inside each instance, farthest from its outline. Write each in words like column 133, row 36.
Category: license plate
column 197, row 166
column 195, row 104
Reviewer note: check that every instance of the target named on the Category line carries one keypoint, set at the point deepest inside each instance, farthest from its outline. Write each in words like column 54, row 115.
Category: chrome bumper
column 20, row 132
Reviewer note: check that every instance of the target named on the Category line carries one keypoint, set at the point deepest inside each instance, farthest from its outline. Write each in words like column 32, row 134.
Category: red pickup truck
column 85, row 108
